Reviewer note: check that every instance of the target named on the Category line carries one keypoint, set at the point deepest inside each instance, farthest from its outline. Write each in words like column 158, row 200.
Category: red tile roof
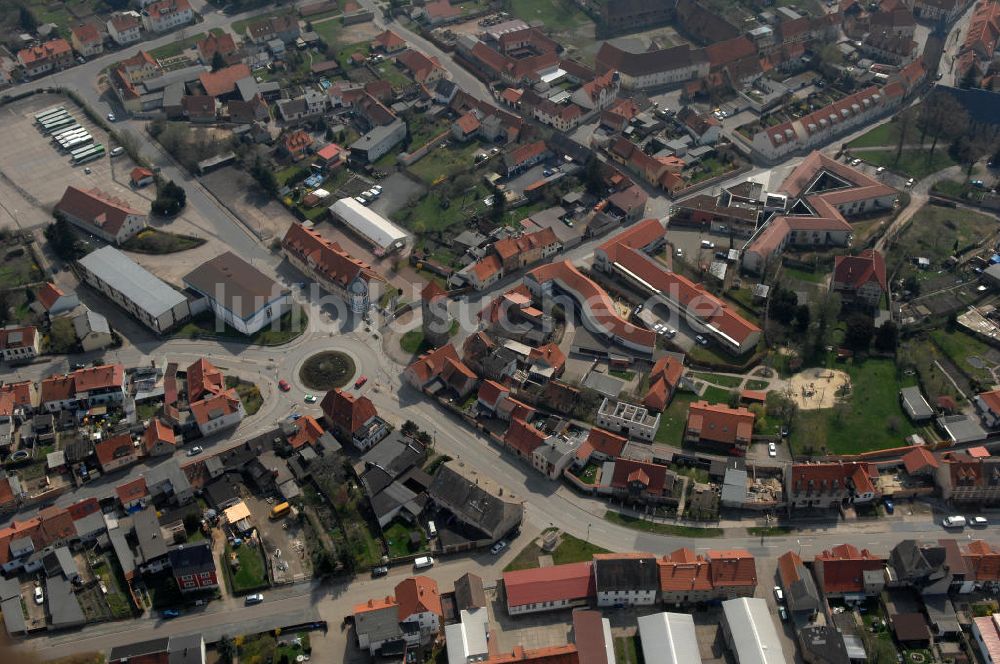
column 138, row 173
column 607, row 443
column 832, row 477
column 17, row 337
column 991, row 400
column 23, row 392
column 468, row 123
column 114, row 448
column 418, row 594
column 87, row 33
column 856, row 271
column 525, row 152
column 433, row 363
column 50, row 49
column 571, row 582
column 162, row 8
column 663, row 380
column 719, row 423
column 549, row 354
column 432, row 292
column 982, row 560
column 212, row 44
column 157, row 432
column 224, row 403
column 223, row 82
column 652, row 476
column 204, row 378
column 327, row 258
column 57, row 388
column 419, row 65
column 523, row 437
column 843, row 568
column 683, row 571
column 733, row 568
column 486, row 268
column 567, row 654
column 131, row 491
column 389, row 41
column 98, row 378
column 919, row 459
column 97, row 208
column 598, row 305
column 307, row 430
column 346, row 411
column 48, row 295
column 490, row 391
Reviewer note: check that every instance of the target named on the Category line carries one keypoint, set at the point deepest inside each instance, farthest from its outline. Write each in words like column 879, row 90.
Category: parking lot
column 284, row 542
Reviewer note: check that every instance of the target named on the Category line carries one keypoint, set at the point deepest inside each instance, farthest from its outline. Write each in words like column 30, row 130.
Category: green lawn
column 935, row 232
column 756, row 385
column 717, row 379
column 290, row 326
column 628, row 650
column 553, row 14
column 17, row 267
column 961, row 347
column 713, row 394
column 251, row 574
column 569, row 550
column 397, row 537
column 955, row 188
column 660, row 528
column 912, row 163
column 413, row 341
column 587, row 474
column 674, row 418
column 623, row 374
column 870, row 418
column 446, row 162
column 387, row 71
column 178, row 47
column 885, row 134
column 804, row 275
column 248, row 392
column 155, row 241
column 428, row 215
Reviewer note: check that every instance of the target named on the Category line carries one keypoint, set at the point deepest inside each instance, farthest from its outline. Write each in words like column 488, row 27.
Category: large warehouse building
column 239, row 294
column 154, row 303
column 384, row 235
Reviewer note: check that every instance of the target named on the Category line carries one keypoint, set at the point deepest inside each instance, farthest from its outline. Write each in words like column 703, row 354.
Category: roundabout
column 326, row 370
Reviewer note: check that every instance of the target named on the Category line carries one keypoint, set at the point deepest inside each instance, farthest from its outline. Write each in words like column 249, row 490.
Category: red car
column 283, row 385
column 360, row 381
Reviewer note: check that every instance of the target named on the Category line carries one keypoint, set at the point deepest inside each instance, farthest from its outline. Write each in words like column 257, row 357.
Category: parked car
column 170, row 613
column 361, row 199
column 979, row 521
column 772, row 450
column 294, row 416
column 855, row 162
column 111, row 117
column 283, row 385
column 880, row 170
column 117, row 151
column 707, row 244
column 909, row 183
column 778, row 595
column 547, row 172
column 255, row 598
column 954, row 522
column 360, row 381
column 702, row 341
column 311, row 398
column 195, row 451
column 39, row 595
column 890, row 506
column 783, row 613
column 381, row 570
column 498, row 548
column 679, row 252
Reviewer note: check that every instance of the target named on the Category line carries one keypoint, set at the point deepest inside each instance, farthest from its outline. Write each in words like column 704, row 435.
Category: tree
column 62, row 240
column 912, row 284
column 191, row 522
column 26, row 18
column 499, row 206
column 218, row 62
column 781, row 406
column 592, row 176
column 409, row 428
column 802, row 318
column 264, row 176
column 4, row 308
column 170, row 200
column 904, row 124
column 830, row 61
column 226, row 649
column 783, row 305
column 942, row 117
column 887, row 337
column 970, row 79
column 860, row 328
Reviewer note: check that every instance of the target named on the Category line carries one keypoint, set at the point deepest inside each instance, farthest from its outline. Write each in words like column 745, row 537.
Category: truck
column 280, row 510
column 423, row 562
column 954, row 522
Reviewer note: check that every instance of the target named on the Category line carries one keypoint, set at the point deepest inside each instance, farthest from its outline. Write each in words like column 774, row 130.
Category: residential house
column 158, row 439
column 849, row 573
column 296, row 144
column 19, row 344
column 525, row 156
column 164, row 15
column 626, row 579
column 331, row 156
column 333, row 268
column 116, row 452
column 378, row 142
column 437, row 12
column 140, row 177
column 466, row 127
column 599, row 93
column 45, row 57
column 218, row 412
column 860, row 279
column 988, row 406
column 54, row 301
column 221, row 84
column 223, row 44
column 830, row 485
column 193, row 567
column 87, row 40
column 549, row 588
column 198, row 108
column 480, row 518
column 627, row 205
column 284, row 27
column 719, row 425
column 377, row 625
column 353, row 419
column 664, row 378
column 655, row 68
column 388, row 42
column 628, row 419
column 919, row 461
column 798, row 584
column 686, row 578
column 123, row 28
column 441, row 368
column 310, row 105
column 423, row 69
column 703, row 129
column 133, row 494
column 92, row 331
column 963, row 478
column 643, row 483
column 101, row 214
column 419, row 603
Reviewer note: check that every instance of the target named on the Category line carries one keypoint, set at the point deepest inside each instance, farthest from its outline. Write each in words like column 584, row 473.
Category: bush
column 170, row 200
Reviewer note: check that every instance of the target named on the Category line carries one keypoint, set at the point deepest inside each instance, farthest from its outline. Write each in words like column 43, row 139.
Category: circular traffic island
column 327, row 370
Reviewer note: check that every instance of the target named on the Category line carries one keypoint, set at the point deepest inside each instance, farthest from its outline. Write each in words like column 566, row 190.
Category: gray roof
column 379, row 624
column 915, row 404
column 607, row 385
column 962, row 428
column 396, row 454
column 473, row 506
column 247, row 87
column 234, row 284
column 168, row 472
column 64, row 609
column 626, row 574
column 9, row 588
column 469, row 592
column 185, row 75
column 55, row 459
column 669, row 638
column 60, row 561
column 150, row 647
column 376, row 136
column 751, row 627
column 186, row 649
column 13, row 617
column 122, row 551
column 90, row 321
column 173, row 94
column 90, row 524
column 941, row 613
column 147, row 532
column 132, row 281
column 734, row 487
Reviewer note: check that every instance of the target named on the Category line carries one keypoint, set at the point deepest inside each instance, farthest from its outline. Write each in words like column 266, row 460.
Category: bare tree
column 942, row 117
column 905, row 122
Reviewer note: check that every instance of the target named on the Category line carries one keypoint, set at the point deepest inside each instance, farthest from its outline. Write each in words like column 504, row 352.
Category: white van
column 954, row 522
column 423, row 562
column 432, row 529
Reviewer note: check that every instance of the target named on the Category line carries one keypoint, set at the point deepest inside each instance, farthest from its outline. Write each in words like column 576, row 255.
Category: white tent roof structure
column 370, row 225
